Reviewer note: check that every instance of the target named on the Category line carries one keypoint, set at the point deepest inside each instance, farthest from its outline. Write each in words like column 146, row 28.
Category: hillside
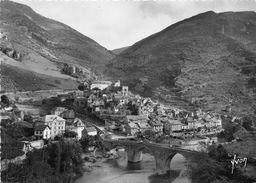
column 119, row 50
column 45, row 45
column 208, row 60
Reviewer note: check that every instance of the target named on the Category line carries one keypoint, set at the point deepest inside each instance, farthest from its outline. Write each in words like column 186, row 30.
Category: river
column 120, row 171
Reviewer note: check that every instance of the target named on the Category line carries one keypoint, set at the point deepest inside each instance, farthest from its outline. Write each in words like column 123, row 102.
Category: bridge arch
column 163, row 157
column 169, row 159
column 144, row 147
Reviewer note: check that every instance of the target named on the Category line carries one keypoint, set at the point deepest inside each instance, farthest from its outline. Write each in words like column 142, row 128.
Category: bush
column 5, row 100
column 218, row 153
column 248, row 123
column 57, row 163
column 70, row 134
column 82, row 87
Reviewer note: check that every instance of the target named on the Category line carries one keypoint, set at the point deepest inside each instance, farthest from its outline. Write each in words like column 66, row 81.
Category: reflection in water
column 120, row 171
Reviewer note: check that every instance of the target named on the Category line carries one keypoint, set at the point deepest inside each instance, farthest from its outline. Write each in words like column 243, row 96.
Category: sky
column 119, row 23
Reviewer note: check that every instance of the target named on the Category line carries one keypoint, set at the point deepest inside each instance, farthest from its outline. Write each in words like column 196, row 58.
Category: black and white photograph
column 128, row 91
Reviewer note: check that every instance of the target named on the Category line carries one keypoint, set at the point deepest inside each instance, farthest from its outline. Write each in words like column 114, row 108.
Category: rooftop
column 51, row 118
column 102, row 82
column 174, row 122
column 136, row 117
column 90, row 129
column 143, row 125
column 41, row 127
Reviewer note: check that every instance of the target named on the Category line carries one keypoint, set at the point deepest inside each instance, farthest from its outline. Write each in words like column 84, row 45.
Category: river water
column 120, row 171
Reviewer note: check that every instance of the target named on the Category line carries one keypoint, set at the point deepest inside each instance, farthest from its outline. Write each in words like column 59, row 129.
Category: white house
column 78, row 127
column 56, row 124
column 42, row 131
column 30, row 145
column 172, row 126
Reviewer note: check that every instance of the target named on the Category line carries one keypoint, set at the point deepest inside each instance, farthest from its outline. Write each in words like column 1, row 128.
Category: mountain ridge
column 48, row 46
column 192, row 58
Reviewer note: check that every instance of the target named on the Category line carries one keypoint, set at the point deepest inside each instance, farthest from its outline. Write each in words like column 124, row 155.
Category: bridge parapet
column 163, row 154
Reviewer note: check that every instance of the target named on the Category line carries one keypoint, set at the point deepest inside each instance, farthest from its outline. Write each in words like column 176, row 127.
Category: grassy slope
column 13, row 78
column 45, row 45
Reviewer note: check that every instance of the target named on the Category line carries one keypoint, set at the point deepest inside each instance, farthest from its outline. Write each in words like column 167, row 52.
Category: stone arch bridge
column 162, row 153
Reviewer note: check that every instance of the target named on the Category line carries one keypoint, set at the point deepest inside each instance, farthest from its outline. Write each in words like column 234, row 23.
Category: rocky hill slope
column 45, row 45
column 119, row 50
column 208, row 60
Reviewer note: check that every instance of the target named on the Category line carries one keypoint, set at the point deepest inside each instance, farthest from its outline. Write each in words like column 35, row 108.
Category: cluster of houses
column 48, row 126
column 60, row 120
column 123, row 112
column 130, row 114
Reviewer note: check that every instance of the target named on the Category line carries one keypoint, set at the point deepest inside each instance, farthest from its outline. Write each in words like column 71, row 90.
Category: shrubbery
column 217, row 168
column 57, row 163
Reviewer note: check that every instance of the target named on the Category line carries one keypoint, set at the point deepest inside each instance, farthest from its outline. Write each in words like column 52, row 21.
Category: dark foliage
column 218, row 153
column 217, row 167
column 5, row 100
column 50, row 103
column 57, row 163
column 247, row 123
column 91, row 141
column 28, row 118
column 70, row 134
column 82, row 87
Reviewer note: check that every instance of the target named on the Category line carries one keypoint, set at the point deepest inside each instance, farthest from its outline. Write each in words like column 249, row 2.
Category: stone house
column 80, row 102
column 157, row 126
column 42, row 131
column 143, row 126
column 69, row 116
column 125, row 90
column 57, row 124
column 100, row 84
column 136, row 118
column 78, row 127
column 89, row 131
column 191, row 123
column 172, row 126
column 131, row 128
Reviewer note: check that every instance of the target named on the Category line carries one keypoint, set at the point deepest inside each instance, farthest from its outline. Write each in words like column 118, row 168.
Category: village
column 122, row 114
column 98, row 111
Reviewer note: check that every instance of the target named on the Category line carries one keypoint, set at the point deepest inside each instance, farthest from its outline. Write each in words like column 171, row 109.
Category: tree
column 149, row 134
column 70, row 134
column 28, row 118
column 5, row 100
column 82, row 87
column 133, row 108
column 218, row 153
column 55, row 156
column 248, row 123
column 87, row 142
